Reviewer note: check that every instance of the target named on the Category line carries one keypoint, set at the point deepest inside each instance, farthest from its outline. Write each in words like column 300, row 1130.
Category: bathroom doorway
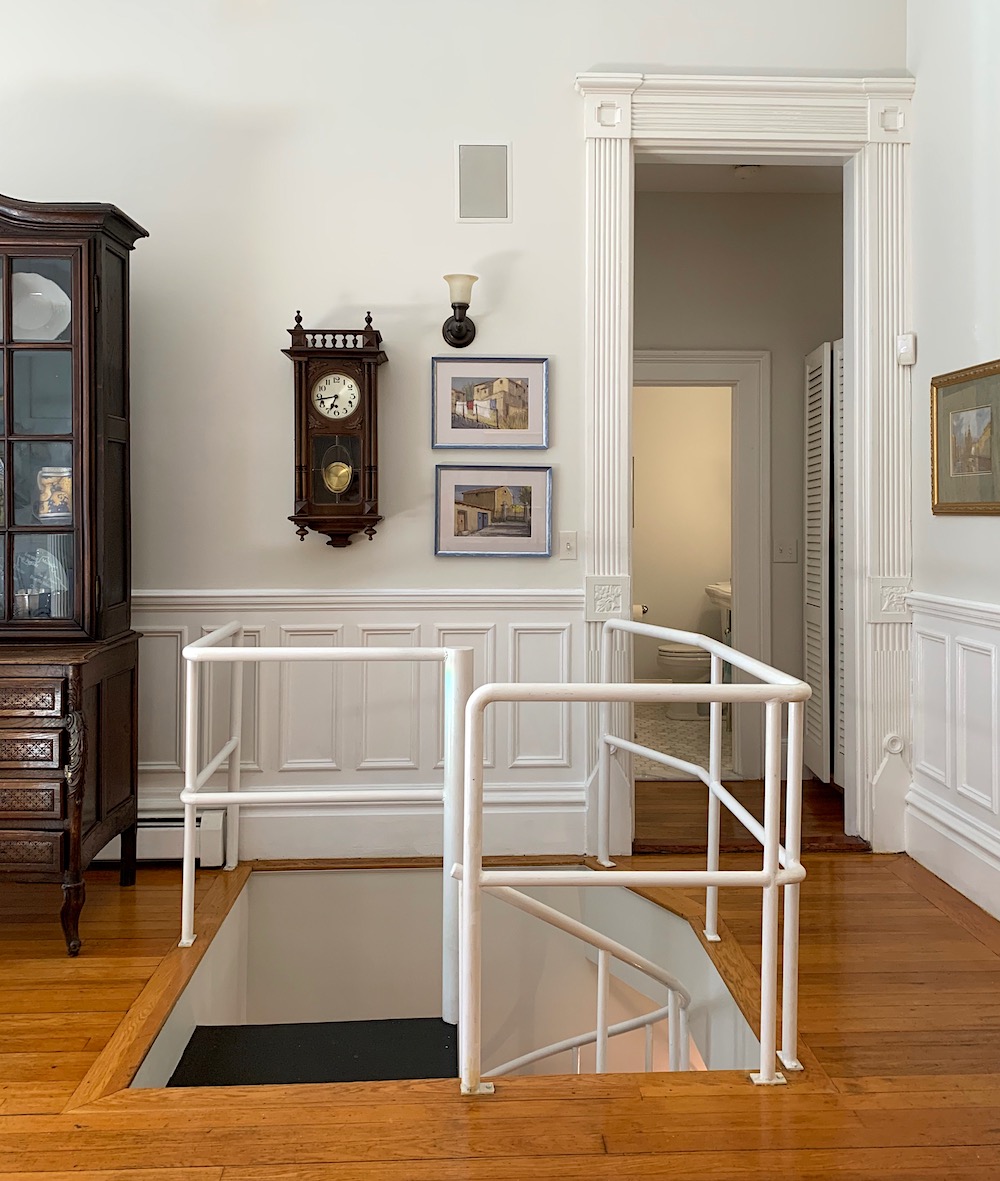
column 681, row 555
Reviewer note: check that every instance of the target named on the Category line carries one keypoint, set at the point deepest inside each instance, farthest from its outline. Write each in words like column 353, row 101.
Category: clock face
column 335, row 395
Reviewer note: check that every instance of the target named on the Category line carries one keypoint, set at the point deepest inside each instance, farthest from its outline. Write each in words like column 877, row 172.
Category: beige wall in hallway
column 681, row 541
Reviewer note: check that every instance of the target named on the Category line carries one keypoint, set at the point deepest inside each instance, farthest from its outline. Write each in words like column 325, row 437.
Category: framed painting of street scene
column 490, row 402
column 965, row 469
column 493, row 512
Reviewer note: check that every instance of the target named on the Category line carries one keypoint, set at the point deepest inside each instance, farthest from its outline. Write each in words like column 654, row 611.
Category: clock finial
column 368, row 320
column 298, row 319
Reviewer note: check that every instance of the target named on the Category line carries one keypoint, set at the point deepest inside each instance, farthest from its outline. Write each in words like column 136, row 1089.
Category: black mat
column 321, row 1052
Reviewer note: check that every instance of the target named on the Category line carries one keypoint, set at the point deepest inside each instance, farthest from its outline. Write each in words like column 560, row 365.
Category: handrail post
column 604, row 754
column 673, row 1032
column 793, row 847
column 471, row 943
column 234, row 770
column 603, row 981
column 768, row 1074
column 190, row 810
column 458, row 677
column 714, row 806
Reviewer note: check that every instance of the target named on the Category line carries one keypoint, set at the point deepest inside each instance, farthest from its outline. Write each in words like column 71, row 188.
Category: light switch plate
column 567, row 545
column 786, row 550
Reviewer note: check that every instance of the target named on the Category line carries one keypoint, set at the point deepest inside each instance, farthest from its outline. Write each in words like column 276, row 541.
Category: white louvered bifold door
column 816, row 748
column 837, row 493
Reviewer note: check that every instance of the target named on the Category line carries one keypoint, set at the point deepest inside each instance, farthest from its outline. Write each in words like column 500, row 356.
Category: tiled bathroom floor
column 685, row 740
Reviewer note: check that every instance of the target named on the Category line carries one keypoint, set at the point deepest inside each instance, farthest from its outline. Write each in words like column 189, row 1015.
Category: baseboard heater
column 161, row 838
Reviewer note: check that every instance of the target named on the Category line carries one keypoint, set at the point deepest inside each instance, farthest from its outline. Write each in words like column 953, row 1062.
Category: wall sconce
column 458, row 330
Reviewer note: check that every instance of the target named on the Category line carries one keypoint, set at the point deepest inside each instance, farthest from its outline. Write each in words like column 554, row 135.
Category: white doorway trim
column 749, row 375
column 865, row 125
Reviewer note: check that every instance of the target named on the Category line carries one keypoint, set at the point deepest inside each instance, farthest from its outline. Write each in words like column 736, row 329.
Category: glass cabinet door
column 38, row 513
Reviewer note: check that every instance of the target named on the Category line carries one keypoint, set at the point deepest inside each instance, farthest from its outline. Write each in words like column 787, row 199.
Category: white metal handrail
column 457, row 664
column 780, row 869
column 721, row 655
column 676, row 1010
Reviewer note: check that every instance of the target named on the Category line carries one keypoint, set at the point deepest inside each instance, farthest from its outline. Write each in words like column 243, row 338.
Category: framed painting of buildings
column 493, row 512
column 965, row 469
column 490, row 402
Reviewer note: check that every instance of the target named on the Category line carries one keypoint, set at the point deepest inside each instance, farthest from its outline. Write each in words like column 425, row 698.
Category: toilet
column 686, row 665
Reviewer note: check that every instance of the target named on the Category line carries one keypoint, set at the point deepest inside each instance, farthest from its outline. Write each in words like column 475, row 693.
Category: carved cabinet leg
column 74, row 896
column 126, row 871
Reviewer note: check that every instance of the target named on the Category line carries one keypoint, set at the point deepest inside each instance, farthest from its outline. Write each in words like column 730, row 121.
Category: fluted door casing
column 865, row 123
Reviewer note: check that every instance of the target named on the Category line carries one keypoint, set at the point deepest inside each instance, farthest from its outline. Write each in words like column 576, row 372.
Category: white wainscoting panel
column 976, row 717
column 953, row 806
column 379, row 726
column 218, row 679
column 308, row 703
column 540, row 732
column 390, row 704
column 932, row 691
column 483, row 642
column 161, row 738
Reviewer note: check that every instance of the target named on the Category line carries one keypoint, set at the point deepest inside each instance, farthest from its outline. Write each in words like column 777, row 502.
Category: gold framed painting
column 965, row 467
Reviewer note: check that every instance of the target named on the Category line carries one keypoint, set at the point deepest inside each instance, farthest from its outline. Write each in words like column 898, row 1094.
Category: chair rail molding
column 864, row 124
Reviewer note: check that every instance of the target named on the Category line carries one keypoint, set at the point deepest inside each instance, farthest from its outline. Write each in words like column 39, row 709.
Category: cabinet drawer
column 31, row 852
column 34, row 698
column 30, row 748
column 31, row 799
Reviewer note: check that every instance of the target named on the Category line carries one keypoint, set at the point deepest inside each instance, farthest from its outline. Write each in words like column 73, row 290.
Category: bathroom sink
column 721, row 594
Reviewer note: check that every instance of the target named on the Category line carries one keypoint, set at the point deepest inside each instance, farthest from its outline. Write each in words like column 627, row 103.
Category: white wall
column 749, row 271
column 953, row 808
column 956, row 260
column 682, row 508
column 300, row 155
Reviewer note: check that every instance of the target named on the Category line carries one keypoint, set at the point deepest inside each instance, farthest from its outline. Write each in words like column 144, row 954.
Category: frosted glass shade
column 460, row 288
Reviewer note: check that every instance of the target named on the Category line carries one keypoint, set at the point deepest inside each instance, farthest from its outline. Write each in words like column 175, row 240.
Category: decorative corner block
column 608, row 597
column 887, row 600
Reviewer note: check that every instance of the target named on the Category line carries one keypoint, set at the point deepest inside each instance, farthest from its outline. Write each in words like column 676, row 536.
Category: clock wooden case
column 336, row 430
column 68, row 656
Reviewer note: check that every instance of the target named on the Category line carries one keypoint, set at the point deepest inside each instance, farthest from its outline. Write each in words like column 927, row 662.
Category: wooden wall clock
column 336, row 430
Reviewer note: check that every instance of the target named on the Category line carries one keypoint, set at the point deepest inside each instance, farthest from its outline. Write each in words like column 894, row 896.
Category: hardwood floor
column 672, row 817
column 900, row 1016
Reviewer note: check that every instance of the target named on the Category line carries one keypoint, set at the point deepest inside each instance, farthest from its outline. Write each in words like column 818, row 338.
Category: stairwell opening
column 335, row 975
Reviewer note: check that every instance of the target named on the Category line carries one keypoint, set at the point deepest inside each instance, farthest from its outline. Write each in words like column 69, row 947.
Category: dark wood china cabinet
column 67, row 653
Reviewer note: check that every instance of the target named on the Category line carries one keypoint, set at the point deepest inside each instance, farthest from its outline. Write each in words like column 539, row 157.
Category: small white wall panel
column 976, row 723
column 931, row 705
column 215, row 731
column 160, row 712
column 309, row 696
column 482, row 641
column 539, row 731
column 390, row 704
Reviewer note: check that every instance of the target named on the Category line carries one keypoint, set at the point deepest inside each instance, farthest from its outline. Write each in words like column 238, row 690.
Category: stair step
column 318, row 1052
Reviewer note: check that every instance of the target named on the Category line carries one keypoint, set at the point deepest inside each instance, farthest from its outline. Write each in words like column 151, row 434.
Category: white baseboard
column 161, row 838
column 955, row 846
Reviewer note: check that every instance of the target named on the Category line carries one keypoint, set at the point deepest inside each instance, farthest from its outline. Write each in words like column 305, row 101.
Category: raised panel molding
column 529, row 663
column 215, row 725
column 539, row 810
column 309, row 697
column 161, row 714
column 952, row 824
column 482, row 639
column 976, row 723
column 931, row 703
column 400, row 686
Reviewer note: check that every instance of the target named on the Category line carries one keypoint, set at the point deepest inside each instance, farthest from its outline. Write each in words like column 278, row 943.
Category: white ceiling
column 737, row 178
